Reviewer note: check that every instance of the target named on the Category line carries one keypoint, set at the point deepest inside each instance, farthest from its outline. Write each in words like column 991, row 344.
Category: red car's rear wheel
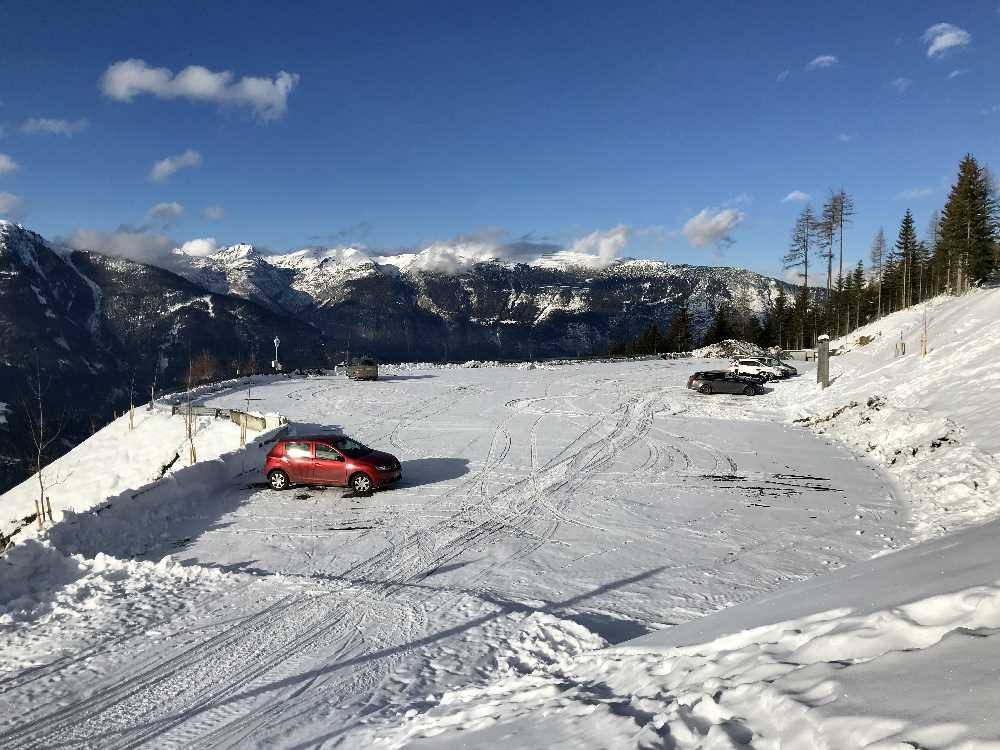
column 278, row 479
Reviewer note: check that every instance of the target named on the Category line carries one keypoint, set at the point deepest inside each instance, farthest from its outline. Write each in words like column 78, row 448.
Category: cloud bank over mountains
column 596, row 250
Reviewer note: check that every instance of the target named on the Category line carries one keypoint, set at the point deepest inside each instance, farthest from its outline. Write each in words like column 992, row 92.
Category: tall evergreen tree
column 679, row 337
column 905, row 252
column 721, row 328
column 968, row 229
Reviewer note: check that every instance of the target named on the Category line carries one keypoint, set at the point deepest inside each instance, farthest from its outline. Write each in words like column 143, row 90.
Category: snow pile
column 546, row 642
column 899, row 654
column 113, row 460
column 55, row 608
column 729, row 349
column 930, row 420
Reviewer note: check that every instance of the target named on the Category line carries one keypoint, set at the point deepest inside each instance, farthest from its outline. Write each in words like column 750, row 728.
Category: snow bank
column 729, row 349
column 134, row 521
column 896, row 652
column 931, row 421
column 113, row 460
column 68, row 610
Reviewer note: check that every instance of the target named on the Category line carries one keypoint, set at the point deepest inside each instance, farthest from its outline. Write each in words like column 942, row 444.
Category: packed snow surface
column 579, row 556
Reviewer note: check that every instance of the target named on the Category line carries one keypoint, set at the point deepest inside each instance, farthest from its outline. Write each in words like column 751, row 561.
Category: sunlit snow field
column 543, row 512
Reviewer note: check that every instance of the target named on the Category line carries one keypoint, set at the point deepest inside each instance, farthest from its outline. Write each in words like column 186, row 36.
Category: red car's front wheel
column 361, row 484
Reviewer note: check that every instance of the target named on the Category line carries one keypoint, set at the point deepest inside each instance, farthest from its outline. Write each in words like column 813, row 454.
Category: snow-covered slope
column 113, row 460
column 895, row 652
column 931, row 420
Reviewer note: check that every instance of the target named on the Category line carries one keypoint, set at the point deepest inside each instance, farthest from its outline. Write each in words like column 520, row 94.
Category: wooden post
column 823, row 365
column 39, row 514
column 48, row 503
column 923, row 338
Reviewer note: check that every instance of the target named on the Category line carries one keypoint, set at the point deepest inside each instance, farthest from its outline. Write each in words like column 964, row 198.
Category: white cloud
column 166, row 210
column 846, row 137
column 710, row 226
column 915, row 193
column 957, row 72
column 11, row 206
column 597, row 249
column 792, row 276
column 823, row 61
column 7, row 165
column 267, row 97
column 783, row 75
column 200, row 247
column 127, row 242
column 53, row 126
column 942, row 37
column 901, row 84
column 164, row 168
column 796, row 195
column 214, row 212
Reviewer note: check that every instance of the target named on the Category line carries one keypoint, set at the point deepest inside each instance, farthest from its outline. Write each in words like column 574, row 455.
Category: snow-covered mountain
column 404, row 307
column 99, row 325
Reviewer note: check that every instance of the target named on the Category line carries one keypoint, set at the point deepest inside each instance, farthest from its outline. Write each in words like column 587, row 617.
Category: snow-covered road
column 544, row 512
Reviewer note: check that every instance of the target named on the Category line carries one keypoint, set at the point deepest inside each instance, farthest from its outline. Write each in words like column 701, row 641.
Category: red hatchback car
column 330, row 459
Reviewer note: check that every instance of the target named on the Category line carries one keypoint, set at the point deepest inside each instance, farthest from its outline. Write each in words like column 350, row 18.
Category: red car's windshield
column 350, row 448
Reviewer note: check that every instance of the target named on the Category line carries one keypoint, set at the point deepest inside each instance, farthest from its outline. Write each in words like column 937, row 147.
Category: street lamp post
column 276, row 364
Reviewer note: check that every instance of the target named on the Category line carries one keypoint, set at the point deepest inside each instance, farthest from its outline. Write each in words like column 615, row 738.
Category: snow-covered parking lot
column 544, row 576
column 543, row 512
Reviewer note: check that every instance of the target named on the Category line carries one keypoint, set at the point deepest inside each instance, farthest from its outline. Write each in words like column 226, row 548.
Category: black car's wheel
column 749, row 391
column 361, row 484
column 705, row 389
column 278, row 480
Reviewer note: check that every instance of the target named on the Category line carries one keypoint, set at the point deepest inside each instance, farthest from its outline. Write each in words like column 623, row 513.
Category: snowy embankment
column 112, row 497
column 896, row 652
column 931, row 421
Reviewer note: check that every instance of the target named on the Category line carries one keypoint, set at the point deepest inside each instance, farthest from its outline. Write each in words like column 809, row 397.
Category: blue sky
column 400, row 124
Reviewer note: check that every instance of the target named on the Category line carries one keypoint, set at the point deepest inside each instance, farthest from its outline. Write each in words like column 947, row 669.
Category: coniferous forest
column 838, row 291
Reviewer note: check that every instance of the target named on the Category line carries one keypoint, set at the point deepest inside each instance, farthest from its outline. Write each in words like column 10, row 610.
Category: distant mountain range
column 100, row 325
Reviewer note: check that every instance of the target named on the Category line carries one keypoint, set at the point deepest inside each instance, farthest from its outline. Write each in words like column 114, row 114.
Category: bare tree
column 204, row 368
column 878, row 264
column 42, row 431
column 803, row 234
column 189, row 423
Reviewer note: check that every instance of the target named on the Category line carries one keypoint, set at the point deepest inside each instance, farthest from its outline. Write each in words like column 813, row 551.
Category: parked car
column 723, row 381
column 755, row 366
column 364, row 369
column 779, row 364
column 332, row 460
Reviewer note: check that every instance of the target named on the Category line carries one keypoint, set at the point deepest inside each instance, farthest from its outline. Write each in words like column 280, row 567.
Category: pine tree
column 905, row 251
column 679, row 337
column 721, row 328
column 968, row 228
